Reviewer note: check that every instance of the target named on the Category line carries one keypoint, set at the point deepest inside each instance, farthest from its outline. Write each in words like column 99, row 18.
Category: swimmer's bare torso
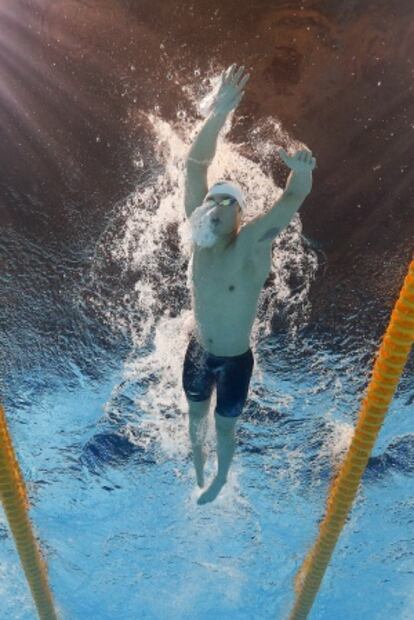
column 225, row 289
column 226, row 283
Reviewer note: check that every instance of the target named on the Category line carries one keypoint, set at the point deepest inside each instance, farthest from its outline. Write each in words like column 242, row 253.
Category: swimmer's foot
column 199, row 459
column 212, row 491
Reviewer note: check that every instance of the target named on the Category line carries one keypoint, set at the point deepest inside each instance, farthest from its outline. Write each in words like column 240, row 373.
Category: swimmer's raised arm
column 299, row 184
column 227, row 99
column 203, row 149
column 301, row 164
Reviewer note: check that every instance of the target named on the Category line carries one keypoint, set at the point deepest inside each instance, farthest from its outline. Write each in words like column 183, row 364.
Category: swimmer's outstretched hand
column 301, row 161
column 230, row 93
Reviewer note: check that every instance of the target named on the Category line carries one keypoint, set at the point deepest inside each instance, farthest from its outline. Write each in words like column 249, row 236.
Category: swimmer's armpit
column 271, row 233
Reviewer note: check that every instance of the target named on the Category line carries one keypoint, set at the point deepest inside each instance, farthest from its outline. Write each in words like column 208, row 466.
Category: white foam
column 201, row 230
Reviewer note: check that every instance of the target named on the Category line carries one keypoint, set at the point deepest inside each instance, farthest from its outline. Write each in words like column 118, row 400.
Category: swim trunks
column 231, row 374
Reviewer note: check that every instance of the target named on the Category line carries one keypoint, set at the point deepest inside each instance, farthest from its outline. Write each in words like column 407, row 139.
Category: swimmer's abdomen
column 225, row 304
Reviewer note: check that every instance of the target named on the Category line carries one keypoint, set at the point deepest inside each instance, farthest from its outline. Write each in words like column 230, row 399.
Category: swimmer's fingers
column 243, row 81
column 231, row 90
column 301, row 160
column 240, row 78
column 284, row 156
column 307, row 158
column 235, row 76
column 228, row 74
column 304, row 155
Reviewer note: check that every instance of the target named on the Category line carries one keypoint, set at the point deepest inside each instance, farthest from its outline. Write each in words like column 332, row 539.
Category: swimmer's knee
column 198, row 408
column 225, row 423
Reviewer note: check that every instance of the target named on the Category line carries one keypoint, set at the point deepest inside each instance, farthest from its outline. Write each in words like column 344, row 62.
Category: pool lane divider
column 16, row 506
column 389, row 365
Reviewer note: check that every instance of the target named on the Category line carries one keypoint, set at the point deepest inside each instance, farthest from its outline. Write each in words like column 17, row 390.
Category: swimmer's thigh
column 233, row 386
column 197, row 378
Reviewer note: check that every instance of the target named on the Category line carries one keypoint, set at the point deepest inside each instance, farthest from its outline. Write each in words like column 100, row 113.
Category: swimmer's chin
column 202, row 234
column 205, row 244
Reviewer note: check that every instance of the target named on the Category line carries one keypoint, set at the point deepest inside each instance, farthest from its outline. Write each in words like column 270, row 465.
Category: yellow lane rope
column 16, row 505
column 388, row 367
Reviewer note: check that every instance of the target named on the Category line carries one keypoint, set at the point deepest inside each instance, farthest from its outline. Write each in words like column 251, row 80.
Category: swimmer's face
column 212, row 221
column 224, row 218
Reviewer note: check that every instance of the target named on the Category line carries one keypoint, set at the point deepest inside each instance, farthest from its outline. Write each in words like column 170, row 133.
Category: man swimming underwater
column 230, row 265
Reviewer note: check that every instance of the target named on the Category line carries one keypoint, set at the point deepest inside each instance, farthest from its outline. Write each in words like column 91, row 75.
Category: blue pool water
column 114, row 499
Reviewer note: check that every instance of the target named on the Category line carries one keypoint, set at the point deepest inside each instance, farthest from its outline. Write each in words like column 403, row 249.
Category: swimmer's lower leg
column 225, row 450
column 199, row 453
column 198, row 429
column 226, row 444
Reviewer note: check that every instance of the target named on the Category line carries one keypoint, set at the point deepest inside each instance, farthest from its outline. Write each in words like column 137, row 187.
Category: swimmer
column 231, row 260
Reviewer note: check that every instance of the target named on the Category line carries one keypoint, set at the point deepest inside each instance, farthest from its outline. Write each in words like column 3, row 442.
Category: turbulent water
column 92, row 388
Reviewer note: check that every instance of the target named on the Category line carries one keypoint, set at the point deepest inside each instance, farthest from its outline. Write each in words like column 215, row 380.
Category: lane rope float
column 389, row 365
column 16, row 506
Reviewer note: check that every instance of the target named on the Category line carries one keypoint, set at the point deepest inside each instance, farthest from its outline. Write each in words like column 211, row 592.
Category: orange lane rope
column 15, row 501
column 389, row 365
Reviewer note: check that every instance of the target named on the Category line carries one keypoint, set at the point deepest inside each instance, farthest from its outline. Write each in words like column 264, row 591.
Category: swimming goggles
column 225, row 202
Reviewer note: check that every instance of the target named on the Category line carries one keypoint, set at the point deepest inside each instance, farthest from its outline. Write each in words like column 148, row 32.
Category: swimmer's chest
column 234, row 275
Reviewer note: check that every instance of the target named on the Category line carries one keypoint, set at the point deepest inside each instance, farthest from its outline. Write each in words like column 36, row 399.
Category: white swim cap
column 224, row 187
